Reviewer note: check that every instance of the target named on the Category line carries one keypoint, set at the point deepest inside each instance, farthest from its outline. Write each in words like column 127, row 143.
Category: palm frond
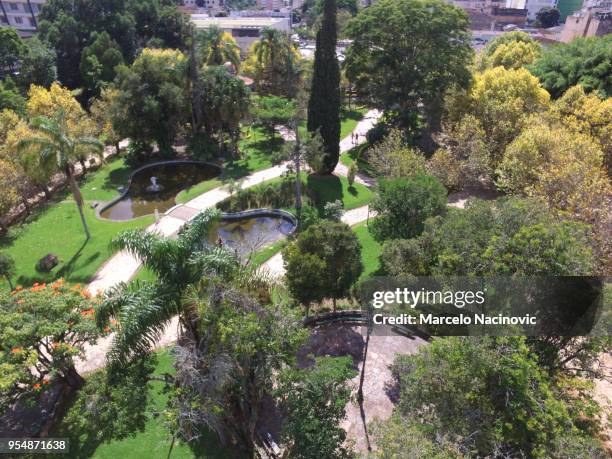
column 34, row 141
column 93, row 143
column 143, row 312
column 157, row 253
column 191, row 235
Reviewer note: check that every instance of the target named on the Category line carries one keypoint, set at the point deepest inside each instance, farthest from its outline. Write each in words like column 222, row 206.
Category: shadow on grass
column 326, row 188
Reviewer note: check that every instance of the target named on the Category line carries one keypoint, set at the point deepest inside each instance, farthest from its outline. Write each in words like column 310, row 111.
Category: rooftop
column 203, row 22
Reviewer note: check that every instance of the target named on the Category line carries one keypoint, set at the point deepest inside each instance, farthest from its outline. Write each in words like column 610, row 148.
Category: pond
column 155, row 187
column 250, row 234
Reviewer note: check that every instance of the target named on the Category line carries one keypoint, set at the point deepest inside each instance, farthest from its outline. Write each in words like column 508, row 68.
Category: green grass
column 258, row 150
column 328, row 188
column 356, row 155
column 57, row 229
column 103, row 184
column 349, row 120
column 370, row 250
column 263, row 255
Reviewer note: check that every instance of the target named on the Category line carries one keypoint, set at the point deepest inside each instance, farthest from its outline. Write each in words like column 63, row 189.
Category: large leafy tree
column 500, row 102
column 584, row 61
column 58, row 149
column 485, row 238
column 271, row 111
column 44, row 328
column 490, row 397
column 11, row 48
column 243, row 341
column 324, row 103
column 67, row 27
column 406, row 53
column 98, row 61
column 38, row 65
column 315, row 401
column 152, row 97
column 510, row 50
column 324, row 262
column 560, row 167
column 403, row 205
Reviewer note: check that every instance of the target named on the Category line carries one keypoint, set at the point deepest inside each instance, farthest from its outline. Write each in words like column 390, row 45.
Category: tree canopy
column 324, row 262
column 584, row 61
column 403, row 205
column 406, row 53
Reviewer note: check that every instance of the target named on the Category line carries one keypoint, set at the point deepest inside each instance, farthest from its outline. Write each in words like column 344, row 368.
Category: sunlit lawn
column 370, row 250
column 57, row 229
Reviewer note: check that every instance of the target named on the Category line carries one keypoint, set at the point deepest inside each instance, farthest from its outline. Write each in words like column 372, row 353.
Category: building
column 202, row 6
column 594, row 19
column 245, row 30
column 532, row 6
column 274, row 5
column 20, row 14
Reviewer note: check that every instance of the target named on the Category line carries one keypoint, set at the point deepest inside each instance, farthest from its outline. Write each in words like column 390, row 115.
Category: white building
column 532, row 6
column 244, row 30
column 20, row 14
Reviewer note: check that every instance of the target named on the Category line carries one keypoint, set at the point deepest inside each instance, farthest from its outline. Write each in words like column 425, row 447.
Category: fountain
column 144, row 193
column 154, row 187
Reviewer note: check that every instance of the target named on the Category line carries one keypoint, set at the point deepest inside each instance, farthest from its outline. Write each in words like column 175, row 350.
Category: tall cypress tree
column 324, row 103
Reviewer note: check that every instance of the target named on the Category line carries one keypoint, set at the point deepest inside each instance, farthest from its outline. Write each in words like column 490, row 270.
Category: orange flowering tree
column 42, row 330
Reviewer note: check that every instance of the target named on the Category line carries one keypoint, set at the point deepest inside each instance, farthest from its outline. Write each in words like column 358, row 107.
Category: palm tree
column 144, row 309
column 220, row 47
column 277, row 61
column 59, row 149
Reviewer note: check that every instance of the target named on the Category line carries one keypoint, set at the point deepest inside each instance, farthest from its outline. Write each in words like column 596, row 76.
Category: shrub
column 403, row 205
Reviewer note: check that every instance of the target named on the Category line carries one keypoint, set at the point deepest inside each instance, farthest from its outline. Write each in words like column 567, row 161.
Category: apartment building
column 593, row 19
column 20, row 14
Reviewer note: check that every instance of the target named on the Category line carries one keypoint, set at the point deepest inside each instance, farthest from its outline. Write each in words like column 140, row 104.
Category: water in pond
column 156, row 187
column 251, row 234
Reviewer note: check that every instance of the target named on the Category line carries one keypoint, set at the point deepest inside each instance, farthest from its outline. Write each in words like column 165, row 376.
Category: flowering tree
column 43, row 328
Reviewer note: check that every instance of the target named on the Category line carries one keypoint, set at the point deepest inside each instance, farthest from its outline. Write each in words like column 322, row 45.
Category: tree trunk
column 73, row 378
column 298, row 180
column 8, row 279
column 45, row 190
column 24, row 200
column 334, row 304
column 78, row 198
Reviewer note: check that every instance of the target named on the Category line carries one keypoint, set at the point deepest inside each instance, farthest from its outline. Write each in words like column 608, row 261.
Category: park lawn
column 349, row 120
column 56, row 228
column 355, row 155
column 370, row 250
column 104, row 183
column 328, row 188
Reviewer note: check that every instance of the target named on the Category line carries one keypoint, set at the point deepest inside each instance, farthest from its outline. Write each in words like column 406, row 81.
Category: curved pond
column 155, row 186
column 252, row 230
